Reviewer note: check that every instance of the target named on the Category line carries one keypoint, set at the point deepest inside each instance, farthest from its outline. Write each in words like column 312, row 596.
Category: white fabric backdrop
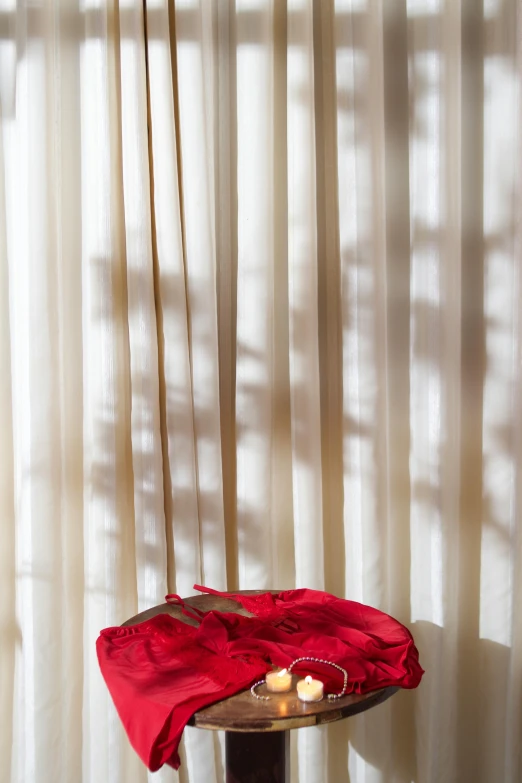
column 260, row 285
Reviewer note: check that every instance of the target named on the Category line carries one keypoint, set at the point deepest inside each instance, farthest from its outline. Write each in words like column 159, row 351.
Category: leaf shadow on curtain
column 472, row 648
column 460, row 645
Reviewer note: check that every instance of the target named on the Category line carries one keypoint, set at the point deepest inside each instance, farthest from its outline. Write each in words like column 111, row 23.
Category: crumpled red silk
column 159, row 676
column 161, row 671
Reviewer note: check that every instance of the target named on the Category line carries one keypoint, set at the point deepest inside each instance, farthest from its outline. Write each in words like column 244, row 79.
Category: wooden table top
column 242, row 712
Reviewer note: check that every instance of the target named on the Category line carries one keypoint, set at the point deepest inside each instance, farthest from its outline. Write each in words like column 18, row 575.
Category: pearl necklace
column 331, row 696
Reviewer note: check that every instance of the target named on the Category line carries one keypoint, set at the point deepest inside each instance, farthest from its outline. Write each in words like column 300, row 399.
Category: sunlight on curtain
column 113, row 352
column 255, row 291
column 194, row 56
column 360, row 154
column 146, row 442
column 171, row 307
column 304, row 344
column 260, row 278
column 303, row 314
column 432, row 374
column 500, row 547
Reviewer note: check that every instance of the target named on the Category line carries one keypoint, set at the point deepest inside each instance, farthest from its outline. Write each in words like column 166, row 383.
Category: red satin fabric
column 159, row 676
column 161, row 671
column 375, row 649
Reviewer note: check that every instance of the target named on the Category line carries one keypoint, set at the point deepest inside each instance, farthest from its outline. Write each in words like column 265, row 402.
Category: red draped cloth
column 161, row 671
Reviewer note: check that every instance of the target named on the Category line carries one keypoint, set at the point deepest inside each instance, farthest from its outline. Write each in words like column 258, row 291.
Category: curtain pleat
column 283, row 542
column 109, row 520
column 260, row 275
column 302, row 300
column 360, row 166
column 303, row 316
column 179, row 464
column 143, row 348
column 500, row 431
column 432, row 281
column 195, row 85
column 512, row 763
column 8, row 619
column 255, row 291
column 225, row 179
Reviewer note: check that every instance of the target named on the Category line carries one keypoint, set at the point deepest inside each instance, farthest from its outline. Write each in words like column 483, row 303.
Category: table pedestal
column 257, row 757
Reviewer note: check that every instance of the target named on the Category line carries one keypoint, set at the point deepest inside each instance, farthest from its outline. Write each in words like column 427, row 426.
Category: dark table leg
column 257, row 757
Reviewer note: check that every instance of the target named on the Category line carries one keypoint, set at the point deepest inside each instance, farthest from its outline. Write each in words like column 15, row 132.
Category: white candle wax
column 310, row 689
column 279, row 682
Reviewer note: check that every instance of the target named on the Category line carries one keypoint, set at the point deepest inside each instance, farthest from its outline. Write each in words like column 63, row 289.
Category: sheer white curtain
column 260, row 284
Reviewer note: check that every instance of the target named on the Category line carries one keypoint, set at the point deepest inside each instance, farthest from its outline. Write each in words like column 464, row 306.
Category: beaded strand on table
column 256, row 695
column 331, row 696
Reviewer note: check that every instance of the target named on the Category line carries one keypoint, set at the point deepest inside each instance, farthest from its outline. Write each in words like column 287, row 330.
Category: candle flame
column 308, row 680
column 282, row 673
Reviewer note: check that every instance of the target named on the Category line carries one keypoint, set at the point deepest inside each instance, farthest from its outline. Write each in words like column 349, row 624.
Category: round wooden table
column 257, row 732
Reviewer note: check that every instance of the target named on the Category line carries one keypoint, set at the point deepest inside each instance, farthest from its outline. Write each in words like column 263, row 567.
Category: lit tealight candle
column 310, row 689
column 279, row 682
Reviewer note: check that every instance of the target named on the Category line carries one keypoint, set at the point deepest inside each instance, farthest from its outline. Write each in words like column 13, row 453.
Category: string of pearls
column 256, row 695
column 331, row 696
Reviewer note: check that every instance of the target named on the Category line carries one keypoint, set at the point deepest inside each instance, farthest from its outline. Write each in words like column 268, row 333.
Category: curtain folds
column 260, row 284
